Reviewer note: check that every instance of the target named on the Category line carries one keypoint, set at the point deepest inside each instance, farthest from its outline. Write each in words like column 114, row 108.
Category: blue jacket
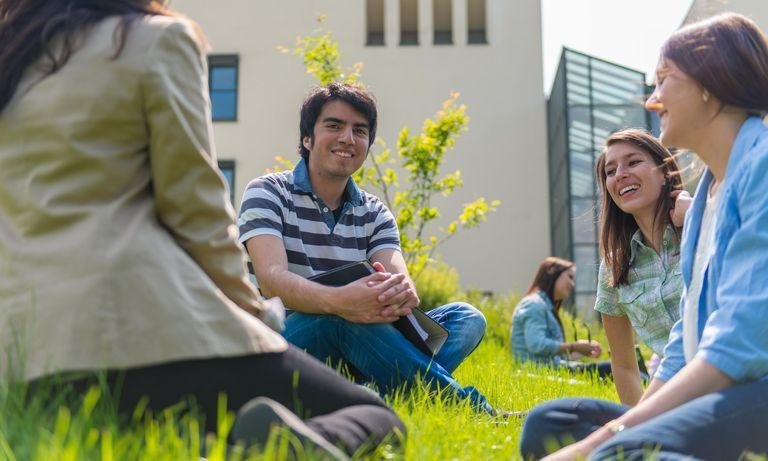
column 536, row 335
column 733, row 309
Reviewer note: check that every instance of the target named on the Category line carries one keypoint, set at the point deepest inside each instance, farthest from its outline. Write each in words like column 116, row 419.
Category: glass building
column 590, row 99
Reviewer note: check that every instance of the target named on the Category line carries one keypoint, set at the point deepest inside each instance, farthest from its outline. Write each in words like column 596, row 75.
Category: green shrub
column 498, row 312
column 437, row 284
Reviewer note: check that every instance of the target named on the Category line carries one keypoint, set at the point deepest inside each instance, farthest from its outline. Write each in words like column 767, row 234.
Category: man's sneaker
column 256, row 418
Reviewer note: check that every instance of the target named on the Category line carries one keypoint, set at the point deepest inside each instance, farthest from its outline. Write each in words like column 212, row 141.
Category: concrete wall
column 503, row 155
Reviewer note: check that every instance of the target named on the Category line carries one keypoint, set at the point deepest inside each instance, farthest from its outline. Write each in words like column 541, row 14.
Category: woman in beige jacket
column 118, row 249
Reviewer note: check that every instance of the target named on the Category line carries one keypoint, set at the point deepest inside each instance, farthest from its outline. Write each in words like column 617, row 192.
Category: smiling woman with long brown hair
column 639, row 281
column 118, row 248
column 709, row 398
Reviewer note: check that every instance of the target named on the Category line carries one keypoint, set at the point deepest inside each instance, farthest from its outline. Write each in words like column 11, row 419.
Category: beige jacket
column 117, row 241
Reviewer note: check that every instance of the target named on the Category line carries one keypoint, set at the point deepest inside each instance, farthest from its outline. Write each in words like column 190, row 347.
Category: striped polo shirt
column 283, row 204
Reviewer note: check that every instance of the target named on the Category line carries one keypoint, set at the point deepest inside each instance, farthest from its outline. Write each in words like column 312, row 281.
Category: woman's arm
column 652, row 388
column 190, row 195
column 626, row 373
column 534, row 324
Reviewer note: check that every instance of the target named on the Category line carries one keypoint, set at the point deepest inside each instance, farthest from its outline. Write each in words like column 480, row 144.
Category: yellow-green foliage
column 438, row 284
column 498, row 311
column 321, row 56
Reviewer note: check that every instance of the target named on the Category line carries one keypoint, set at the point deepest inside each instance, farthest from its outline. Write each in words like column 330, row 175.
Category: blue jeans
column 385, row 357
column 716, row 426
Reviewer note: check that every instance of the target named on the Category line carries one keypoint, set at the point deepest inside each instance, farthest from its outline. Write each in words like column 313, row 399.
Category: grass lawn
column 443, row 430
column 43, row 429
column 439, row 428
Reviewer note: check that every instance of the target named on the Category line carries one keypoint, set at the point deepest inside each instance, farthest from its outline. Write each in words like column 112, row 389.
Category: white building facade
column 415, row 53
column 757, row 10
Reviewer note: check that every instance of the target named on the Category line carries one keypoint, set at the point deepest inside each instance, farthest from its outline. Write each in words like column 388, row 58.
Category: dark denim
column 719, row 426
column 383, row 355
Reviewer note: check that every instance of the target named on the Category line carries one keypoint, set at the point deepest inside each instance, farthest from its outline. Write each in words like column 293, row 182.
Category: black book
column 426, row 334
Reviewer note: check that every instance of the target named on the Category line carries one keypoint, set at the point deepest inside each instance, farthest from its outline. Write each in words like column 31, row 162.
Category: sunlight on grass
column 56, row 425
column 59, row 426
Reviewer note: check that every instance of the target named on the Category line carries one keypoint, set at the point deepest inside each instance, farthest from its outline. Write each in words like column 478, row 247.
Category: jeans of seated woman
column 383, row 355
column 717, row 426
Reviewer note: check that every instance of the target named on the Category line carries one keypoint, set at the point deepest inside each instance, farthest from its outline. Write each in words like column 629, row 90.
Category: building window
column 227, row 168
column 441, row 14
column 223, row 81
column 374, row 17
column 409, row 22
column 476, row 33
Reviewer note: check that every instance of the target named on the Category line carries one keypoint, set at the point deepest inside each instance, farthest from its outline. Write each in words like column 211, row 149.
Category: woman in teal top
column 639, row 284
column 537, row 332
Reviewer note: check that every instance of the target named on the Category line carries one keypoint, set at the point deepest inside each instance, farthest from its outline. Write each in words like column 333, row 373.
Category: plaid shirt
column 651, row 298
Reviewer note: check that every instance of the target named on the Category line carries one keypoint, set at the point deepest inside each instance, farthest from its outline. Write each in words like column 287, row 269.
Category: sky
column 626, row 32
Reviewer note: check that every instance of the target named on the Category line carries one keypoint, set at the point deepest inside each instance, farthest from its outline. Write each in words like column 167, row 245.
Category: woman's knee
column 556, row 423
column 543, row 425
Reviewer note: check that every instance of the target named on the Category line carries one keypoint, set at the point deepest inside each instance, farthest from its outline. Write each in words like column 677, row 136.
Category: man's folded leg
column 380, row 352
column 318, row 336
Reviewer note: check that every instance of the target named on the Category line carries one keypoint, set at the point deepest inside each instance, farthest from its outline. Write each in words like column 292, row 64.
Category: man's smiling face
column 340, row 142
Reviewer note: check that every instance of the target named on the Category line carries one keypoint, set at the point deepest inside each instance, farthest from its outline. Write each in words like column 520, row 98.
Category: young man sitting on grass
column 299, row 223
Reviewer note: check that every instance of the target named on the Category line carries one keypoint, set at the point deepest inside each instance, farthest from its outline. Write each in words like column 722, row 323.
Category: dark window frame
column 229, row 165
column 375, row 38
column 229, row 61
column 442, row 36
column 409, row 37
column 477, row 36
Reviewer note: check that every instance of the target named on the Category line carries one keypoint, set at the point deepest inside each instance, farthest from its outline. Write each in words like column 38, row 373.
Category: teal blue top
column 536, row 335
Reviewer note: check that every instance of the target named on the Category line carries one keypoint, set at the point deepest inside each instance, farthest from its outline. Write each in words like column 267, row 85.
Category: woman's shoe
column 256, row 419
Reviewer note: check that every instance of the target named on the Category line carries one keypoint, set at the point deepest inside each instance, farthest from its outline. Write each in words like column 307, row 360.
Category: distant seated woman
column 537, row 331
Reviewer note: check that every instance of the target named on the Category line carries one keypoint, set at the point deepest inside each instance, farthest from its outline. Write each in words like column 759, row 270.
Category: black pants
column 601, row 369
column 342, row 412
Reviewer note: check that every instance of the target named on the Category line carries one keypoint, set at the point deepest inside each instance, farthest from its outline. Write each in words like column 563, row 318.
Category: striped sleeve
column 262, row 211
column 385, row 233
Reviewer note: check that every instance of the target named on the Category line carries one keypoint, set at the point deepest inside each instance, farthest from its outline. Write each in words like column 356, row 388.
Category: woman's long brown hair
column 28, row 28
column 547, row 274
column 728, row 56
column 617, row 227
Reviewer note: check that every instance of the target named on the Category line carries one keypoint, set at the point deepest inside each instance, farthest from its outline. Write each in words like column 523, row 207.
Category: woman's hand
column 581, row 449
column 272, row 314
column 584, row 348
column 682, row 201
column 575, row 451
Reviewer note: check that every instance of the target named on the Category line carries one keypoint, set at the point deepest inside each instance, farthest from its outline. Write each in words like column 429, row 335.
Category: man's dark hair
column 356, row 96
